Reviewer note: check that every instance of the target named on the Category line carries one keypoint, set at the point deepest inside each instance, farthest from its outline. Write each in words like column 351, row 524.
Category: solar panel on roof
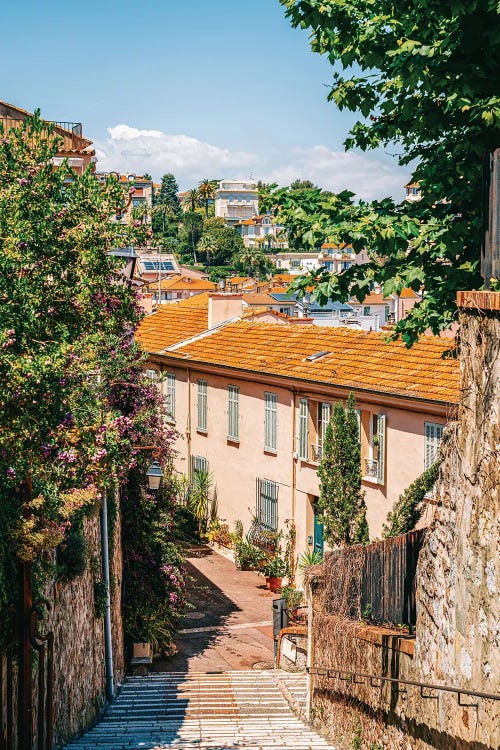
column 152, row 265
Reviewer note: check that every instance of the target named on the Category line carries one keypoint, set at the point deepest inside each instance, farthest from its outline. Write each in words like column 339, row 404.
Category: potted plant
column 248, row 557
column 293, row 598
column 274, row 570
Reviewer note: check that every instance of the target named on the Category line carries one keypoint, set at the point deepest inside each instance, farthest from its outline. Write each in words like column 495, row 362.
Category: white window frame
column 170, row 396
column 202, row 406
column 270, row 421
column 303, row 436
column 233, row 432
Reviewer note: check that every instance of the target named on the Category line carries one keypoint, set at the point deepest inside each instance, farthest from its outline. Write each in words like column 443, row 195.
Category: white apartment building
column 236, row 200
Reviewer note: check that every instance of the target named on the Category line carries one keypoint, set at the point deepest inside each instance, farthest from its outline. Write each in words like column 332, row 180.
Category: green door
column 318, row 533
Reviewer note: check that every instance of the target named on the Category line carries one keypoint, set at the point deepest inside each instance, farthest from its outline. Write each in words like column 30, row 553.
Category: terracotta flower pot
column 273, row 584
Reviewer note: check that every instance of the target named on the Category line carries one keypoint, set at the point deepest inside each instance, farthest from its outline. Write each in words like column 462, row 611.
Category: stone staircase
column 205, row 711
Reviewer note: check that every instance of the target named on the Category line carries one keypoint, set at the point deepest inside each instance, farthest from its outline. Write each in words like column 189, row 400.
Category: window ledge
column 271, row 451
column 372, row 480
column 201, row 432
column 233, row 440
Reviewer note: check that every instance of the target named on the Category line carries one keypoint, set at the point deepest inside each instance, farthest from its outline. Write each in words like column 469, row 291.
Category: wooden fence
column 377, row 582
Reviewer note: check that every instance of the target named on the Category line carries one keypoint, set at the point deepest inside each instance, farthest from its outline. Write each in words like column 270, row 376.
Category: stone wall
column 458, row 631
column 458, row 604
column 79, row 689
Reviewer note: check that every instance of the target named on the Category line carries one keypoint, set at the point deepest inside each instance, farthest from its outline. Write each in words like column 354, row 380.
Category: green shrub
column 409, row 507
column 249, row 557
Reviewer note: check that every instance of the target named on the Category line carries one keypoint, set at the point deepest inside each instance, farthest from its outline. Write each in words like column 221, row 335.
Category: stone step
column 197, row 711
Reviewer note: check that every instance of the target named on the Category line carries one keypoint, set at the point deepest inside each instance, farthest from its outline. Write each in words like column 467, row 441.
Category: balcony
column 371, row 468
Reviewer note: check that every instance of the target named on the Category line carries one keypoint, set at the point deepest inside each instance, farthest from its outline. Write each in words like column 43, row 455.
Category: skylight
column 317, row 355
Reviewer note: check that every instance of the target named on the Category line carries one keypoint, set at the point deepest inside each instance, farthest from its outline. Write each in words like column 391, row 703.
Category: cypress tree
column 342, row 499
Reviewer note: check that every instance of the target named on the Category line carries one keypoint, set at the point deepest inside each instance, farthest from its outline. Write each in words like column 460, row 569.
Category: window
column 202, row 405
column 366, row 310
column 197, row 463
column 433, row 435
column 304, row 429
column 233, row 412
column 266, row 510
column 152, row 374
column 170, row 396
column 270, row 421
column 377, row 448
column 323, row 419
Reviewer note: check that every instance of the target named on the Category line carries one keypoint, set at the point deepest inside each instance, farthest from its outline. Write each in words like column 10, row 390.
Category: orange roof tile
column 335, row 245
column 196, row 301
column 260, row 299
column 169, row 325
column 177, row 283
column 371, row 299
column 408, row 294
column 355, row 359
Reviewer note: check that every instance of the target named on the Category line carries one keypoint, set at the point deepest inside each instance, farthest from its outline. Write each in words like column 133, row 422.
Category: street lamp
column 154, row 476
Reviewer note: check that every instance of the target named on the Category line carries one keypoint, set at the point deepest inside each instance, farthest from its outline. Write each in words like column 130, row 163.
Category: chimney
column 222, row 307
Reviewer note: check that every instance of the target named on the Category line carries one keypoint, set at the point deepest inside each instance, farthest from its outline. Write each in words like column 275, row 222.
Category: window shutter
column 170, row 396
column 270, row 419
column 202, row 405
column 433, row 435
column 323, row 422
column 304, row 429
column 381, row 430
column 233, row 412
column 266, row 504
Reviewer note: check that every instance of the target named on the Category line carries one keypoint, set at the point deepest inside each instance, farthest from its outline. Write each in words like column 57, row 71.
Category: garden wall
column 458, row 582
column 79, row 687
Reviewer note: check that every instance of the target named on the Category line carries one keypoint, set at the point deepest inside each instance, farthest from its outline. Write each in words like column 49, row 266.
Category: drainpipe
column 188, row 426
column 108, row 643
column 294, row 480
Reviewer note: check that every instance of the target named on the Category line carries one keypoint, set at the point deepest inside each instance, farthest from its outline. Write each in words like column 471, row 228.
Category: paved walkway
column 229, row 626
column 243, row 710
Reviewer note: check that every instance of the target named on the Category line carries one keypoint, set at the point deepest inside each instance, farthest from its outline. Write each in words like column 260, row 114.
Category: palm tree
column 192, row 200
column 163, row 210
column 206, row 189
column 252, row 259
column 141, row 212
column 208, row 245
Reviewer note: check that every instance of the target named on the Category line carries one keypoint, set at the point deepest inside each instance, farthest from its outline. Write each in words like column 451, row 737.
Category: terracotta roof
column 259, row 299
column 334, row 245
column 284, row 277
column 197, row 301
column 371, row 299
column 169, row 325
column 238, row 280
column 408, row 294
column 186, row 282
column 355, row 359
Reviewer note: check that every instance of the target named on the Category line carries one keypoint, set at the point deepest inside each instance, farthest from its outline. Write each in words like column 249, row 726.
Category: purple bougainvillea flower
column 11, row 473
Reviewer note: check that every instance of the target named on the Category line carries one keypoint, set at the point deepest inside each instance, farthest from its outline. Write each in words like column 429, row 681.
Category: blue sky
column 202, row 88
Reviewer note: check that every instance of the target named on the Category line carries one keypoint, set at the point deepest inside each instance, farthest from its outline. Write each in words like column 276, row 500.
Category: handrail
column 351, row 676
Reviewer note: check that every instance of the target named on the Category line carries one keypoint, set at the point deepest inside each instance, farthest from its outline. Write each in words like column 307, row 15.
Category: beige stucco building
column 251, row 401
column 236, row 200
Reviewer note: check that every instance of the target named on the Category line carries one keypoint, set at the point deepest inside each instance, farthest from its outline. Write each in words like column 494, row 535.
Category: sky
column 201, row 88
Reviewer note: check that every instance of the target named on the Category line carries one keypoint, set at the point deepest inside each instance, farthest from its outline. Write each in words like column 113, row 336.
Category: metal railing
column 371, row 468
column 317, row 451
column 377, row 680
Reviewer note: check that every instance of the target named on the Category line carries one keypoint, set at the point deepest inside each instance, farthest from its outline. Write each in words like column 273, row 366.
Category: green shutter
column 233, row 412
column 381, row 431
column 202, row 405
column 170, row 396
column 270, row 421
column 304, row 429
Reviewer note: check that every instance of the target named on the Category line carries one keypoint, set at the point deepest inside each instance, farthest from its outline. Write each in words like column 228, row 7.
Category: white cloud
column 132, row 150
column 366, row 176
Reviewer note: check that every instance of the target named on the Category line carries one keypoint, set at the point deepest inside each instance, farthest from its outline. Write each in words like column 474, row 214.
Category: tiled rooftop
column 356, row 359
column 169, row 325
column 177, row 283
